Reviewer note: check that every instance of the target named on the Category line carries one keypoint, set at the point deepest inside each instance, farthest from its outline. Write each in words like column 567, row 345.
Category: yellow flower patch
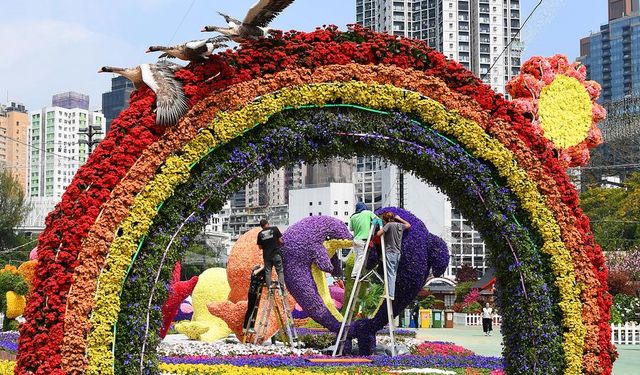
column 565, row 111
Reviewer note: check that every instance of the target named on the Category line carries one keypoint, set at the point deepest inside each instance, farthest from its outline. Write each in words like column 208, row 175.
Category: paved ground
column 474, row 339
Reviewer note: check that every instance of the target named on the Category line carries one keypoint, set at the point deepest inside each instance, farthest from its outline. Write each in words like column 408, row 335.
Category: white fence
column 473, row 319
column 625, row 334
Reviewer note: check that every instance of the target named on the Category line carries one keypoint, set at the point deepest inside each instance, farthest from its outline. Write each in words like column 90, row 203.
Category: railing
column 473, row 319
column 625, row 334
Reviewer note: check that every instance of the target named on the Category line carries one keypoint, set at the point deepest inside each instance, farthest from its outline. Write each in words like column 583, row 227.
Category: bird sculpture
column 255, row 22
column 171, row 103
column 195, row 50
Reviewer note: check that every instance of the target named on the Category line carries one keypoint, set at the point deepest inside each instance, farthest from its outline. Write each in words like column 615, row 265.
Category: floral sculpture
column 106, row 256
column 308, row 248
column 13, row 288
column 185, row 311
column 179, row 291
column 337, row 296
column 556, row 95
column 212, row 286
column 413, row 271
column 244, row 255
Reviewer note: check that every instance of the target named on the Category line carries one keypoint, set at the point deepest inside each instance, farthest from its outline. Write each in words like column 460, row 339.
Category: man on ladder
column 270, row 241
column 390, row 233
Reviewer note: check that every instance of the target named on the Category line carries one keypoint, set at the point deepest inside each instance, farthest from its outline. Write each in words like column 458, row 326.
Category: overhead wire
column 37, row 148
column 513, row 38
column 182, row 20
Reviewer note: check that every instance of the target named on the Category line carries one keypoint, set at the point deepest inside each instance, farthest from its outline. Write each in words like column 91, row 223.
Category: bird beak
column 148, row 51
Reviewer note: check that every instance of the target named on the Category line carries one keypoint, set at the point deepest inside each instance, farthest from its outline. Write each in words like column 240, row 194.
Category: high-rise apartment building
column 472, row 32
column 116, row 100
column 71, row 100
column 612, row 55
column 369, row 181
column 621, row 8
column 55, row 153
column 336, row 170
column 14, row 141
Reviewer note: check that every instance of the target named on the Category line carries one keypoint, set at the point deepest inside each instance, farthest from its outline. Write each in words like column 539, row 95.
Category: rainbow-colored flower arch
column 145, row 188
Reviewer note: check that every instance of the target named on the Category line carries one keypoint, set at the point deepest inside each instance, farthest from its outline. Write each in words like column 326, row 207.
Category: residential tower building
column 475, row 33
column 116, row 100
column 14, row 141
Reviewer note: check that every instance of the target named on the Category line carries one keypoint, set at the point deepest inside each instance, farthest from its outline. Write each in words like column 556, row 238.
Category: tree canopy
column 615, row 214
column 13, row 210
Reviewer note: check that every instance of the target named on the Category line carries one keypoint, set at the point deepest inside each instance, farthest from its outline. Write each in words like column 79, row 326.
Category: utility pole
column 90, row 132
column 400, row 188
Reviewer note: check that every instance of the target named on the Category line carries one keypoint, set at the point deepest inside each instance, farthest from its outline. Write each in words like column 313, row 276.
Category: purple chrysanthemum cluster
column 303, row 247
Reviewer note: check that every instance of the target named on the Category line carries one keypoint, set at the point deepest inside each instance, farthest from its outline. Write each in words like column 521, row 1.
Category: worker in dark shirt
column 270, row 241
column 255, row 286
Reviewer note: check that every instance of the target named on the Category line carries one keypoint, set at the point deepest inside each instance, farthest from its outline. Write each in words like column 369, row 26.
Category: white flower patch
column 422, row 371
column 175, row 347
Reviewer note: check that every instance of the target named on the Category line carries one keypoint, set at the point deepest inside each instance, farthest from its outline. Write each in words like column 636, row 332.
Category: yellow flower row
column 184, row 369
column 229, row 125
column 6, row 367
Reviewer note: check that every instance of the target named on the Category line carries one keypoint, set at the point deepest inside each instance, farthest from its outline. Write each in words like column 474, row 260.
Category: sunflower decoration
column 561, row 104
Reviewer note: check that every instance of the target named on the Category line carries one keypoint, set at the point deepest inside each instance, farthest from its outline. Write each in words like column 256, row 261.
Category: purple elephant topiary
column 421, row 251
column 303, row 247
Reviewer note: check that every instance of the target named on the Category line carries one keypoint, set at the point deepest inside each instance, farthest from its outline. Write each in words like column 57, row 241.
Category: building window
column 346, row 202
column 335, row 202
column 319, row 203
column 346, row 213
column 335, row 213
column 310, row 214
column 310, row 203
column 319, row 213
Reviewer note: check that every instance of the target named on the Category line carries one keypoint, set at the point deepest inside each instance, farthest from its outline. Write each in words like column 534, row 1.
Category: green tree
column 615, row 214
column 13, row 210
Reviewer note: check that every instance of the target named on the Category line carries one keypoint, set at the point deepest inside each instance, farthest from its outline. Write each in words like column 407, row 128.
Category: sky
column 53, row 46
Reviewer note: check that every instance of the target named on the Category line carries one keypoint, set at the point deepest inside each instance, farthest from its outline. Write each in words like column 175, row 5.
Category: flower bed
column 9, row 341
column 441, row 348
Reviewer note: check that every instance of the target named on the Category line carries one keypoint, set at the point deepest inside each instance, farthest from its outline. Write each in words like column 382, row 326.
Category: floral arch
column 308, row 96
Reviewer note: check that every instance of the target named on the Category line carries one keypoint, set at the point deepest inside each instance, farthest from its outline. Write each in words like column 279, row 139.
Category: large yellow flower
column 560, row 102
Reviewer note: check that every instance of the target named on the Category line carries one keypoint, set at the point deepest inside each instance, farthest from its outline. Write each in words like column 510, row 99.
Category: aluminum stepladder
column 283, row 316
column 355, row 296
column 248, row 329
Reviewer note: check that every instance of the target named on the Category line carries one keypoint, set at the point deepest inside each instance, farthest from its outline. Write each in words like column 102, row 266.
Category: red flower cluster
column 179, row 290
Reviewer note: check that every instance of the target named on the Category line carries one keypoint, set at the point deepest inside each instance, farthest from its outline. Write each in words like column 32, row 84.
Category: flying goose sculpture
column 171, row 102
column 255, row 22
column 195, row 50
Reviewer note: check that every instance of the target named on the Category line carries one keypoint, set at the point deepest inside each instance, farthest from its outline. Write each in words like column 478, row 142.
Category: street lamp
column 90, row 132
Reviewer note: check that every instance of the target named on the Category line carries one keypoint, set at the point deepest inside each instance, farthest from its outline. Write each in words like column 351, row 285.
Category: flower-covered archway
column 309, row 96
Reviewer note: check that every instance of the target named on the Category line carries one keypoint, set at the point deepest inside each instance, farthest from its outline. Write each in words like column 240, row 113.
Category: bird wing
column 264, row 11
column 231, row 22
column 195, row 44
column 171, row 103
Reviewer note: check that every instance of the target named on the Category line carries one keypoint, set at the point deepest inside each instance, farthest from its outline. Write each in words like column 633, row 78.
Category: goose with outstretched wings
column 255, row 22
column 171, row 103
column 195, row 50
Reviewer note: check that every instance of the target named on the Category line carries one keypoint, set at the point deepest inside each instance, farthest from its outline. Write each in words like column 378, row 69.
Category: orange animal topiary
column 244, row 255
